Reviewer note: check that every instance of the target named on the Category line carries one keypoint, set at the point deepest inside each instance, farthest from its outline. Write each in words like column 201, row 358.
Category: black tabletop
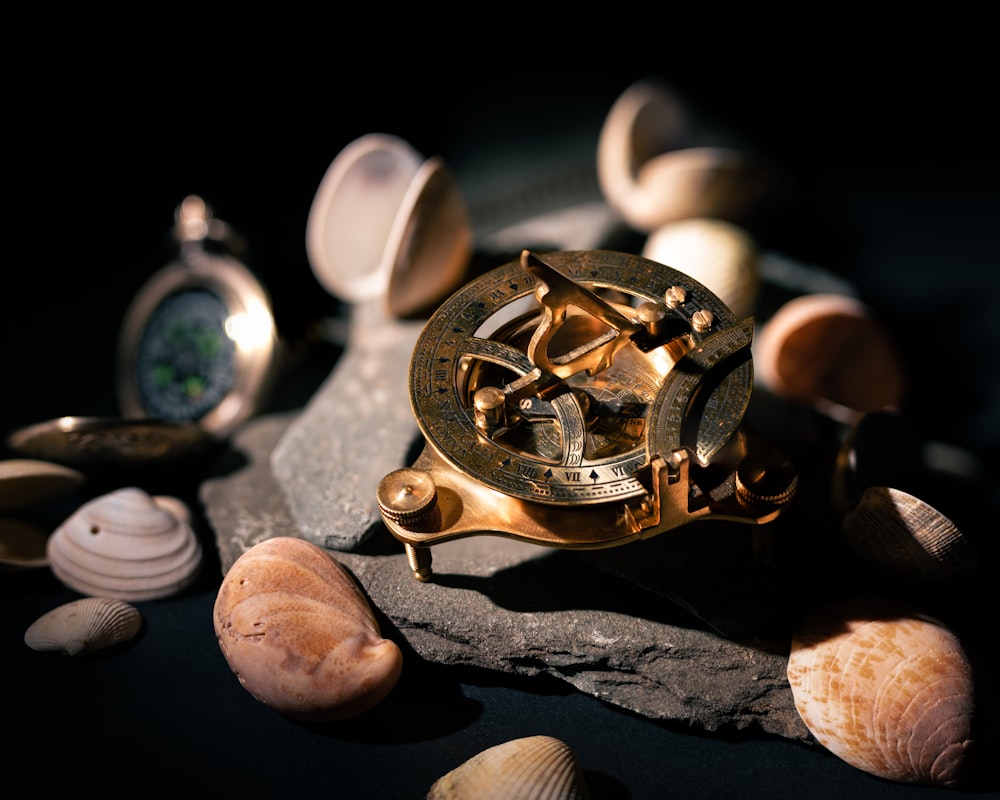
column 897, row 196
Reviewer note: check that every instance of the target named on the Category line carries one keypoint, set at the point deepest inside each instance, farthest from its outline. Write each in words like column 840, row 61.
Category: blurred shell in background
column 26, row 482
column 22, row 545
column 830, row 352
column 719, row 255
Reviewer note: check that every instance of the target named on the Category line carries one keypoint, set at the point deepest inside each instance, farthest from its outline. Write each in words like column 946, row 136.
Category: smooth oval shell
column 127, row 545
column 887, row 689
column 26, row 482
column 299, row 633
column 84, row 626
column 532, row 768
column 388, row 224
column 719, row 255
column 902, row 535
column 650, row 177
column 830, row 352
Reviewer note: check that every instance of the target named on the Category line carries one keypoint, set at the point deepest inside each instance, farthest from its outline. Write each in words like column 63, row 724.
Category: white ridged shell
column 900, row 534
column 887, row 689
column 84, row 626
column 299, row 634
column 127, row 545
column 719, row 255
column 532, row 768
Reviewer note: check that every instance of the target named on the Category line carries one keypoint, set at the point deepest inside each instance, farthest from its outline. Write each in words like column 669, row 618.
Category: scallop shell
column 887, row 689
column 719, row 255
column 388, row 224
column 84, row 626
column 299, row 633
column 532, row 768
column 27, row 482
column 898, row 533
column 830, row 352
column 650, row 178
column 127, row 545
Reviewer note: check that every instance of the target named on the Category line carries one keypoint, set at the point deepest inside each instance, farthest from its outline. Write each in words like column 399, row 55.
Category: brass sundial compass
column 580, row 399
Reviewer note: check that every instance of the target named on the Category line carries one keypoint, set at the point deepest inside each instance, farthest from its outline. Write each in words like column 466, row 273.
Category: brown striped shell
column 532, row 768
column 902, row 535
column 299, row 633
column 887, row 689
column 128, row 545
column 84, row 626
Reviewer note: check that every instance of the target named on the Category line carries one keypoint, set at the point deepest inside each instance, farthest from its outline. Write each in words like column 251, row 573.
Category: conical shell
column 125, row 544
column 887, row 689
column 719, row 255
column 299, row 634
column 84, row 626
column 532, row 768
column 901, row 534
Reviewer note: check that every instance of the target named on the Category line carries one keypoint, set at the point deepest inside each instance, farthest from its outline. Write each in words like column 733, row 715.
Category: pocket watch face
column 198, row 344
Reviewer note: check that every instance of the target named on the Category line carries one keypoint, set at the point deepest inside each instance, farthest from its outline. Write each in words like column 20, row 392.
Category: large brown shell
column 532, row 768
column 887, row 689
column 299, row 633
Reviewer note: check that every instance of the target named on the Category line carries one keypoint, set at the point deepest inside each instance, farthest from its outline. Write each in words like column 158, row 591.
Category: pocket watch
column 198, row 342
column 580, row 399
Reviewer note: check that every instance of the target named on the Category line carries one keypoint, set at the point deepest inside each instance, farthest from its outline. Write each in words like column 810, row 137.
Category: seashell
column 532, row 768
column 829, row 351
column 887, row 689
column 84, row 626
column 126, row 545
column 27, row 482
column 388, row 224
column 719, row 255
column 650, row 178
column 299, row 634
column 22, row 545
column 898, row 533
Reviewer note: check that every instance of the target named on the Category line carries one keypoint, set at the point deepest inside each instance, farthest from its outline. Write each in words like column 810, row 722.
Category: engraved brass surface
column 580, row 399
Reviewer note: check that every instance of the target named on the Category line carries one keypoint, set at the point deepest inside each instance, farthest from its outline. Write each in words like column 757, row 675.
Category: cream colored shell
column 719, row 255
column 532, row 768
column 887, row 689
column 387, row 224
column 902, row 535
column 299, row 633
column 84, row 626
column 650, row 175
column 128, row 545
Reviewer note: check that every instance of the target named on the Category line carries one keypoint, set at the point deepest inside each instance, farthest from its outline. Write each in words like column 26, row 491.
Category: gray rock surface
column 594, row 620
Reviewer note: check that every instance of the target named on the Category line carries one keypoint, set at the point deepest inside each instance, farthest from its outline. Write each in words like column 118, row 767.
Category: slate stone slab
column 523, row 609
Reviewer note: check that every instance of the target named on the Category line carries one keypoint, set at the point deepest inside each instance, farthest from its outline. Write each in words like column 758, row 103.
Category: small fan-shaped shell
column 648, row 175
column 719, row 255
column 299, row 634
column 829, row 351
column 887, row 689
column 84, row 626
column 901, row 534
column 125, row 544
column 532, row 768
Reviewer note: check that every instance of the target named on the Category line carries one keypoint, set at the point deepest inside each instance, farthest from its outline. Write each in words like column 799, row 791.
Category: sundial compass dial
column 580, row 399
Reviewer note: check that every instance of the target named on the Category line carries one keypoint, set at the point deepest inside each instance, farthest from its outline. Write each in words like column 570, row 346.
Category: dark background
column 894, row 155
